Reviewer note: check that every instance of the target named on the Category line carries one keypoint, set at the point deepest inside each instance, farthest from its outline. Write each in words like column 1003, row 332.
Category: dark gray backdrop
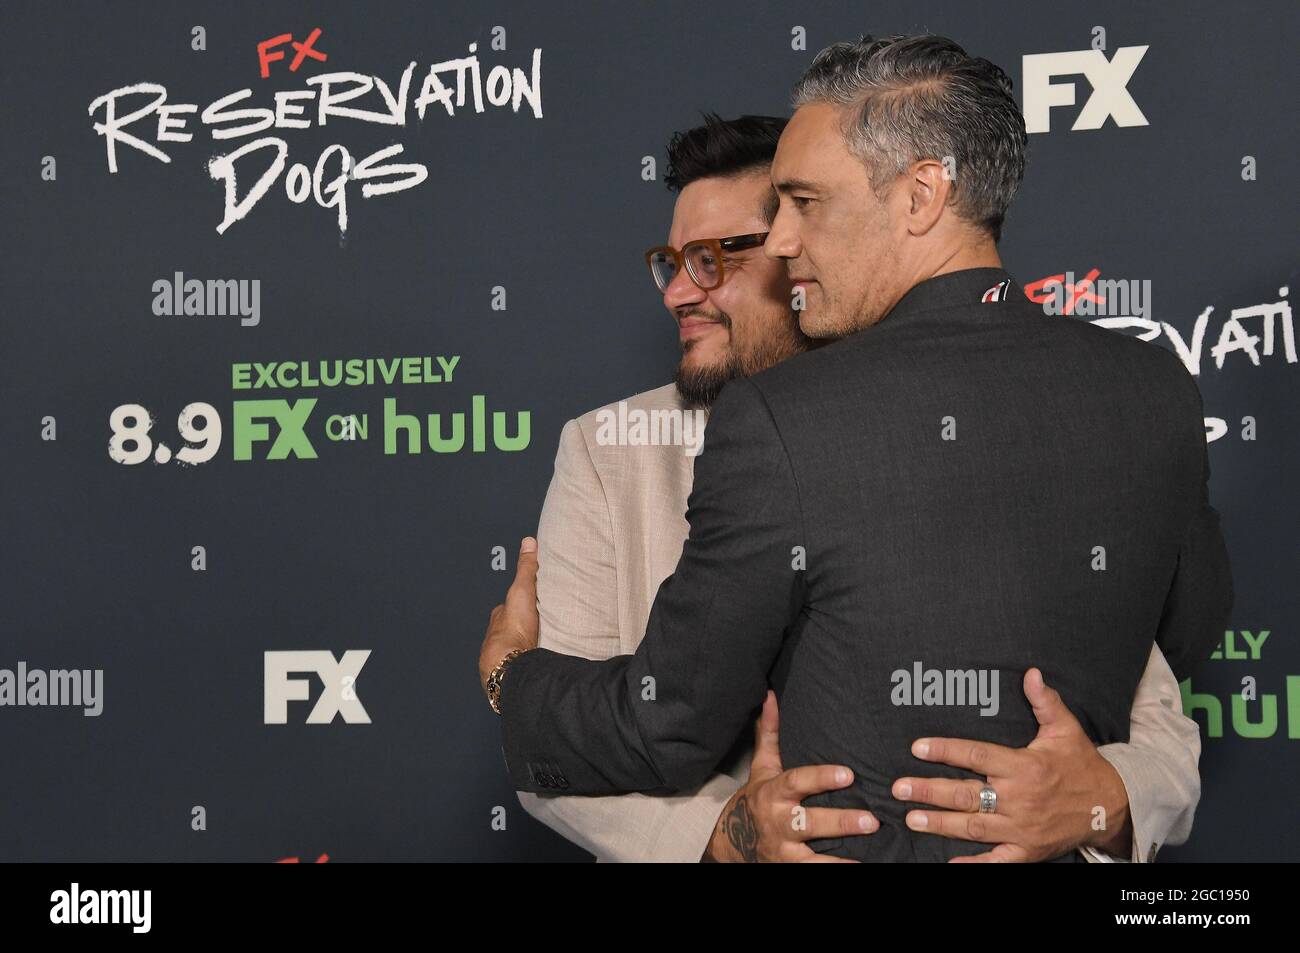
column 359, row 550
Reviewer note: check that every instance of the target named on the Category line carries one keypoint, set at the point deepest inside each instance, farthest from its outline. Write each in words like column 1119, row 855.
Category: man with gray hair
column 952, row 491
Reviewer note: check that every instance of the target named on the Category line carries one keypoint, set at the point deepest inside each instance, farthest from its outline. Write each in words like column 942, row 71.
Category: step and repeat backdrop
column 298, row 296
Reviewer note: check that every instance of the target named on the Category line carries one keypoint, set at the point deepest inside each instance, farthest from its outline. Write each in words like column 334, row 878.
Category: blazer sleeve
column 660, row 721
column 577, row 595
column 1158, row 764
column 1200, row 597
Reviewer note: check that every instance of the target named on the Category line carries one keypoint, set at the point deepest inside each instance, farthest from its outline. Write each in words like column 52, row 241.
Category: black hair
column 722, row 147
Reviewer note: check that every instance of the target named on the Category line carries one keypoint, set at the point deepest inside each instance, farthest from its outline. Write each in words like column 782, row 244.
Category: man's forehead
column 811, row 132
column 720, row 207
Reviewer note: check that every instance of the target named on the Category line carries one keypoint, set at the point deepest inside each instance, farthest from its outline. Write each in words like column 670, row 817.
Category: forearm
column 636, row 828
column 1200, row 596
column 660, row 721
column 1158, row 766
column 577, row 594
column 734, row 838
column 577, row 726
column 1163, row 788
column 1112, row 828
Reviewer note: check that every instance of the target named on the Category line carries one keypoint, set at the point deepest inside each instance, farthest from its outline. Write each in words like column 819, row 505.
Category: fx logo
column 292, row 421
column 338, row 697
column 1109, row 79
column 267, row 54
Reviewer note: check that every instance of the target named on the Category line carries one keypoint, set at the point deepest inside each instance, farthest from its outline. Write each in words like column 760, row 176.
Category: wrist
column 1116, row 836
column 491, row 656
column 495, row 676
column 719, row 849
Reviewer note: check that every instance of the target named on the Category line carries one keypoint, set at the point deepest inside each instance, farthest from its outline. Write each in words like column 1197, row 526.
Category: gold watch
column 493, row 686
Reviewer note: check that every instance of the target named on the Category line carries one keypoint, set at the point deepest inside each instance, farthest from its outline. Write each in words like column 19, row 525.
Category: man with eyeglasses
column 612, row 529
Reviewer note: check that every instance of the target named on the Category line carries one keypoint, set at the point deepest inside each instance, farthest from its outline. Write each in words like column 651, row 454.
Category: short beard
column 700, row 387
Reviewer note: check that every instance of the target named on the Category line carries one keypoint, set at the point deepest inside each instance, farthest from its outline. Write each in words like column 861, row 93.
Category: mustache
column 721, row 316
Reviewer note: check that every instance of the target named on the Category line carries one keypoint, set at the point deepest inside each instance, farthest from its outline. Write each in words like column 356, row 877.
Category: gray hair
column 924, row 97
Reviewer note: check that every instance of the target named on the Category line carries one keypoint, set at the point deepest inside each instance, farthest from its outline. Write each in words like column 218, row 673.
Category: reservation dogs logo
column 370, row 99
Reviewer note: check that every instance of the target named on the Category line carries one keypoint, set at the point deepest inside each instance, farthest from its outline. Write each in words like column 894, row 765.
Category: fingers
column 522, row 594
column 767, row 747
column 827, row 859
column 514, row 624
column 940, row 792
column 981, row 757
column 1048, row 707
column 797, row 783
column 986, row 828
column 771, row 714
column 835, row 822
column 1002, row 854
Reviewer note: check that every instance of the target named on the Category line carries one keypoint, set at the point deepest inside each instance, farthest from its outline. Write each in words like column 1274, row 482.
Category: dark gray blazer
column 938, row 493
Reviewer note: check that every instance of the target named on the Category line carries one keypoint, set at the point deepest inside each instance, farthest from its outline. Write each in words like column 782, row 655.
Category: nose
column 782, row 236
column 681, row 292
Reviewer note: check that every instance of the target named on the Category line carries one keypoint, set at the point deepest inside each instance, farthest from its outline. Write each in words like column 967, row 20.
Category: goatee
column 700, row 386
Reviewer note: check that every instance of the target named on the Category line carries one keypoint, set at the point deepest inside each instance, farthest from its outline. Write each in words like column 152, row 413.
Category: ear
column 928, row 186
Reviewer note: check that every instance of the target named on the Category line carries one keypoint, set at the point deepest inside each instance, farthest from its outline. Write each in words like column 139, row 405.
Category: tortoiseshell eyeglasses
column 703, row 259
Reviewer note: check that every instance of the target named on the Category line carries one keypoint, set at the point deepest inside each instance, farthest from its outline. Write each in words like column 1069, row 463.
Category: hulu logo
column 1251, row 717
column 454, row 440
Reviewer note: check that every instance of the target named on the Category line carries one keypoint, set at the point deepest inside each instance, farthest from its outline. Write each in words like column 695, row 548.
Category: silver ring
column 988, row 800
